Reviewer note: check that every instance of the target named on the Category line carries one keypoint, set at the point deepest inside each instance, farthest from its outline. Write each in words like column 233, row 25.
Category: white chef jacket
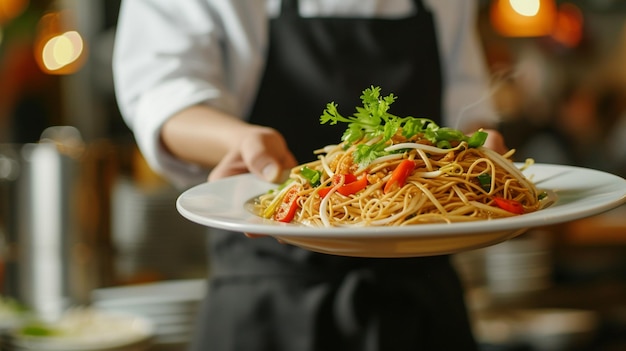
column 169, row 55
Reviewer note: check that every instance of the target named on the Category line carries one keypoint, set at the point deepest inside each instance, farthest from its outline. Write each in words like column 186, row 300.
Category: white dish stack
column 10, row 318
column 171, row 306
column 82, row 329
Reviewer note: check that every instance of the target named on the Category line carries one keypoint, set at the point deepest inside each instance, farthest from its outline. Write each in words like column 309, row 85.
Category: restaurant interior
column 87, row 227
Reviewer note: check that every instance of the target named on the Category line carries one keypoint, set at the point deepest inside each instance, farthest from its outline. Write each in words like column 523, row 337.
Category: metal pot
column 36, row 220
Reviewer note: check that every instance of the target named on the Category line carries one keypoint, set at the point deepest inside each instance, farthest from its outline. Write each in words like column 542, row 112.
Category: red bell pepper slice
column 324, row 191
column 352, row 185
column 509, row 205
column 348, row 178
column 399, row 175
column 286, row 211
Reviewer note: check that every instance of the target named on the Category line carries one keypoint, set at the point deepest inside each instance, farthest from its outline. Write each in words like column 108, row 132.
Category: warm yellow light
column 47, row 54
column 59, row 49
column 10, row 9
column 523, row 18
column 568, row 28
column 62, row 50
column 526, row 7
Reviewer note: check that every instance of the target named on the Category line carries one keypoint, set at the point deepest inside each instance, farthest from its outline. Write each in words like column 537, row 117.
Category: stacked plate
column 520, row 265
column 83, row 329
column 12, row 316
column 171, row 306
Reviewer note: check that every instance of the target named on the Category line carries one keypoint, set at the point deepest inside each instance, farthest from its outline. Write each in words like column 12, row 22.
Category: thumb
column 267, row 155
column 270, row 171
column 230, row 165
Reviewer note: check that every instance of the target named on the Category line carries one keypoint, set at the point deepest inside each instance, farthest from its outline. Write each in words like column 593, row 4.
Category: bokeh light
column 526, row 7
column 568, row 28
column 59, row 49
column 523, row 18
column 10, row 9
column 62, row 50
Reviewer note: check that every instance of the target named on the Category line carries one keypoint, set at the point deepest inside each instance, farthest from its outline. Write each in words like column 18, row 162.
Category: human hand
column 495, row 141
column 261, row 151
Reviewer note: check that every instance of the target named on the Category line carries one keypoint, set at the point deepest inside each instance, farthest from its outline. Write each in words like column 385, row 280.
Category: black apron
column 272, row 297
column 314, row 61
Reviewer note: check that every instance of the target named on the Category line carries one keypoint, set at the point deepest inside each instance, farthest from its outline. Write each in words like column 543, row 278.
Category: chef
column 228, row 87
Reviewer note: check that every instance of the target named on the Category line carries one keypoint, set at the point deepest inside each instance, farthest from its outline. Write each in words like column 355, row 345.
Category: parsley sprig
column 373, row 120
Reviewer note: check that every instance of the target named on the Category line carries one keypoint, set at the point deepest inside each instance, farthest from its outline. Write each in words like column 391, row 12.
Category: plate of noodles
column 400, row 187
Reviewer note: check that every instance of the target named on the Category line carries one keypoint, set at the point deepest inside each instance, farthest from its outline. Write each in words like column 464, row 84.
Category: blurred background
column 84, row 222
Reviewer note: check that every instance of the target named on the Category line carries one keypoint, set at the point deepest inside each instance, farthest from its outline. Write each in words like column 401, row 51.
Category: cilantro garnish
column 373, row 120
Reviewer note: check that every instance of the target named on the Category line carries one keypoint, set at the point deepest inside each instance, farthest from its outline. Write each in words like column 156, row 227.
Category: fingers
column 232, row 164
column 267, row 155
column 495, row 141
column 263, row 152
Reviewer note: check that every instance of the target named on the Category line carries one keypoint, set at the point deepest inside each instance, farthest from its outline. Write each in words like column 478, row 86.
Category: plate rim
column 529, row 220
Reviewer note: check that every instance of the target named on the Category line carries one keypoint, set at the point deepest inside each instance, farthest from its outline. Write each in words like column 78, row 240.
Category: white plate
column 87, row 329
column 581, row 192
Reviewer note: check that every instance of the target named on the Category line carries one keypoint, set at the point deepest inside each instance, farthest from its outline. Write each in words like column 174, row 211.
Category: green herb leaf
column 373, row 120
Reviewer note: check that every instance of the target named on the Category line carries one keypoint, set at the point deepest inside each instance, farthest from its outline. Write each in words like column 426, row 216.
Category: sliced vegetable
column 351, row 184
column 324, row 191
column 444, row 144
column 509, row 205
column 449, row 134
column 281, row 190
column 477, row 139
column 353, row 187
column 399, row 175
column 485, row 181
column 286, row 211
column 311, row 175
column 345, row 178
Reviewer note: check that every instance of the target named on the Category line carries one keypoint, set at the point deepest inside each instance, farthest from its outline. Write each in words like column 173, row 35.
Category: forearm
column 202, row 135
